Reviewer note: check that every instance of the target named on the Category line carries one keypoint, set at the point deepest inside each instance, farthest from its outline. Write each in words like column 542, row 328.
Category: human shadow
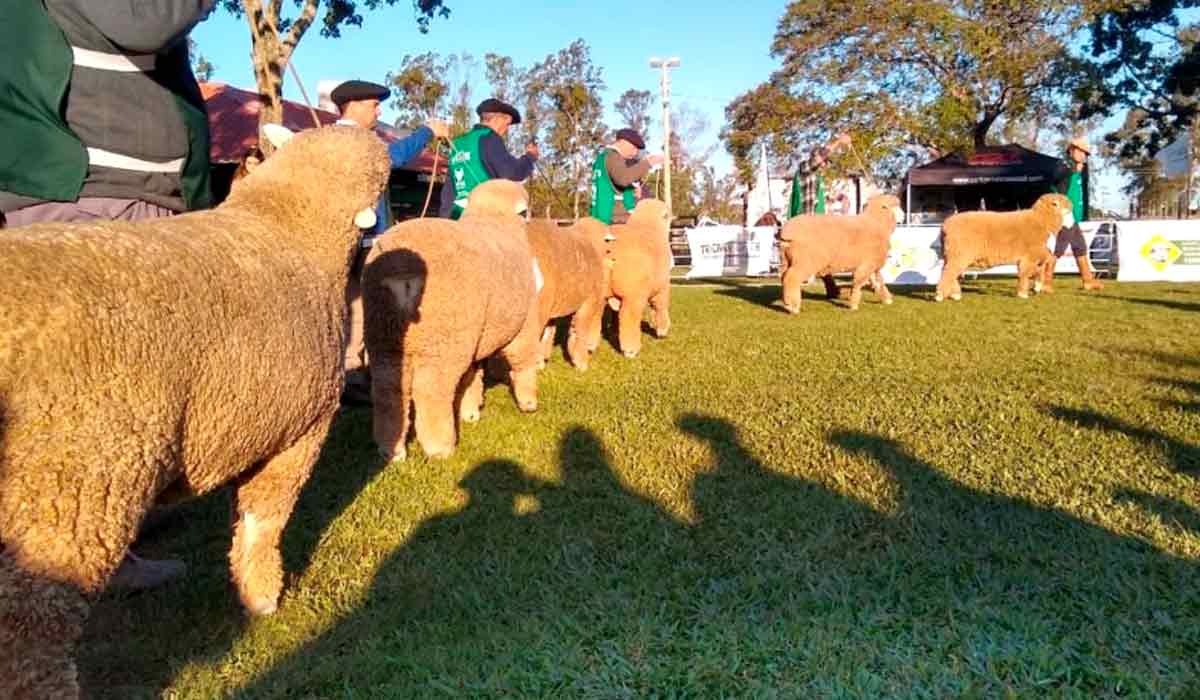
column 1184, row 457
column 581, row 586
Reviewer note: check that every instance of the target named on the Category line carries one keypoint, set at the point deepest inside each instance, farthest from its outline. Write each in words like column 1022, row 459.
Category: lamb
column 986, row 239
column 441, row 296
column 573, row 267
column 825, row 244
column 641, row 273
column 141, row 362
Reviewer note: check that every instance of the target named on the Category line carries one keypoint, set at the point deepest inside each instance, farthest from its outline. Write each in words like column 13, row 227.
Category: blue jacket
column 401, row 152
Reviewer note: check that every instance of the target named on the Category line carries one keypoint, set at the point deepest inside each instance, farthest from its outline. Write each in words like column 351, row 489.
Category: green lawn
column 994, row 498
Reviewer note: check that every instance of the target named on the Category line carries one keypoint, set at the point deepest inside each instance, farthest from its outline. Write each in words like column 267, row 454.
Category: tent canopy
column 989, row 165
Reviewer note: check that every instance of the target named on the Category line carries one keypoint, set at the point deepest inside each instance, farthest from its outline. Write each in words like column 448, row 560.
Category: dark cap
column 491, row 104
column 352, row 90
column 632, row 137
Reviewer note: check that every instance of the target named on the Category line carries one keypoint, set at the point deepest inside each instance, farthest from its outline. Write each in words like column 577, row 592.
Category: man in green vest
column 615, row 173
column 480, row 155
column 1074, row 184
column 128, row 139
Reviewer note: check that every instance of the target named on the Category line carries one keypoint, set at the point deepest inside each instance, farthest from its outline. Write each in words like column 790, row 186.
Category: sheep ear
column 365, row 218
column 277, row 134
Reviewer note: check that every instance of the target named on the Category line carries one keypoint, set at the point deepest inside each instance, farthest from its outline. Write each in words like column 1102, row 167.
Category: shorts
column 1070, row 237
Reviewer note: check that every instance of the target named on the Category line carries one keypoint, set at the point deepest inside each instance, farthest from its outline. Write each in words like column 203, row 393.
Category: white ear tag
column 365, row 218
column 277, row 134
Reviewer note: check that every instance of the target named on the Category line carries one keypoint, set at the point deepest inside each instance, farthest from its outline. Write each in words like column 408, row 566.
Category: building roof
column 992, row 164
column 233, row 125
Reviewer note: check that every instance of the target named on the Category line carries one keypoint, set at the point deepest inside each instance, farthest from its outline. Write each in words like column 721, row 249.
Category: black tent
column 999, row 178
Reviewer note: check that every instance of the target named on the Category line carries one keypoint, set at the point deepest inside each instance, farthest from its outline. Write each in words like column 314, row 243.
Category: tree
column 634, row 108
column 274, row 38
column 565, row 90
column 419, row 88
column 907, row 78
column 201, row 66
column 1144, row 58
column 717, row 197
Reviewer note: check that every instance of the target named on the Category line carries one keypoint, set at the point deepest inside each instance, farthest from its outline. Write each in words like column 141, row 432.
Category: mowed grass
column 995, row 498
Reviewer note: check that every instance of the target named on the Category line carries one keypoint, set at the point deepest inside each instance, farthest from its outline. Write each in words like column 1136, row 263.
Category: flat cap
column 491, row 104
column 352, row 90
column 632, row 137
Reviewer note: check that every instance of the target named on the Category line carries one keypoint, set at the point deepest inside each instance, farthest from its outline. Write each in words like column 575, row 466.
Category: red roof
column 233, row 125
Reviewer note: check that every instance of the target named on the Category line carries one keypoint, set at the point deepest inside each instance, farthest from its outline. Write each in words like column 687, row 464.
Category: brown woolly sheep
column 641, row 273
column 145, row 361
column 441, row 296
column 987, row 238
column 826, row 244
column 572, row 263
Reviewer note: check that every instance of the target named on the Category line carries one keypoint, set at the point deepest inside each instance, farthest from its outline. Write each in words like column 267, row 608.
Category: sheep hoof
column 630, row 354
column 939, row 298
column 614, row 304
column 888, row 302
column 470, row 416
column 261, row 607
column 661, row 333
column 956, row 297
column 439, row 452
column 1022, row 295
column 397, row 455
column 527, row 406
column 792, row 309
column 854, row 307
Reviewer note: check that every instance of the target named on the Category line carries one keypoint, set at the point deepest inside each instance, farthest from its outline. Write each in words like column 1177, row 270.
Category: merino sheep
column 145, row 361
column 572, row 263
column 641, row 273
column 826, row 244
column 986, row 239
column 441, row 296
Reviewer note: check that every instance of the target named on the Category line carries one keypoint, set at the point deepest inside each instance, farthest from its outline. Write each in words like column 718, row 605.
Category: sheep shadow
column 552, row 587
column 1191, row 388
column 1183, row 457
column 1156, row 302
column 1170, row 510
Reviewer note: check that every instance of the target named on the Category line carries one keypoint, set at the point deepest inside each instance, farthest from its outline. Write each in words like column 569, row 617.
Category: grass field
column 995, row 498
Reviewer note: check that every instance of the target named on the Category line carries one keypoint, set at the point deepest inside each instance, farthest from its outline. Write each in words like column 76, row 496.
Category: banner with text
column 1159, row 251
column 731, row 251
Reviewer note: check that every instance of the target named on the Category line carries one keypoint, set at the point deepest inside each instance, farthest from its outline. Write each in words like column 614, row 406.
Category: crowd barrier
column 1134, row 251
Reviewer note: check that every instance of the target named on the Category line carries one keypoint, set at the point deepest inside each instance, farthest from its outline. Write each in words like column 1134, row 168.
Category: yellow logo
column 1160, row 252
column 904, row 258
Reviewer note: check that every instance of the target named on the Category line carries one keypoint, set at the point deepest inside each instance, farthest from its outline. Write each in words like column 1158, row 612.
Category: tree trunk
column 983, row 127
column 271, row 53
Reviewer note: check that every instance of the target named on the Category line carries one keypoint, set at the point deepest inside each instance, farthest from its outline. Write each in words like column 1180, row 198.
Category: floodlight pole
column 666, row 65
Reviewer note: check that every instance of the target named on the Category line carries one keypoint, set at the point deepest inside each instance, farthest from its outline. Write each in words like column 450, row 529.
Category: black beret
column 491, row 104
column 352, row 90
column 632, row 137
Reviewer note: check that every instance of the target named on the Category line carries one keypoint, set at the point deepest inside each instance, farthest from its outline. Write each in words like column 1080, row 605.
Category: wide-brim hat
column 492, row 105
column 1082, row 144
column 353, row 90
column 632, row 137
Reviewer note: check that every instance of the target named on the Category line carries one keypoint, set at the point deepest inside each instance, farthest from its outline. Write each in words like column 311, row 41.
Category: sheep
column 441, row 296
column 141, row 362
column 986, row 239
column 826, row 244
column 573, row 267
column 641, row 273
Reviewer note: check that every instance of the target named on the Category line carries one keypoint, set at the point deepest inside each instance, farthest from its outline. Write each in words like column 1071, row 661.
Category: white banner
column 731, row 251
column 1159, row 251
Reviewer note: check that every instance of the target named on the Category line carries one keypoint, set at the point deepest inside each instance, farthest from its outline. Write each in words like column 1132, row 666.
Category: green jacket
column 604, row 191
column 154, row 116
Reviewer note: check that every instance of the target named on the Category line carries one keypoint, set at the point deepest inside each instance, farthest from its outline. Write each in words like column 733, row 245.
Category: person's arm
column 409, row 147
column 500, row 164
column 141, row 26
column 622, row 174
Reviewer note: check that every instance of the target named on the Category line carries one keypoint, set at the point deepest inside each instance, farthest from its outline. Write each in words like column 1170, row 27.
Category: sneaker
column 137, row 574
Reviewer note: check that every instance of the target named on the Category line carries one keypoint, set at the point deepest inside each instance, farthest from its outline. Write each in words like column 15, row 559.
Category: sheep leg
column 391, row 399
column 1026, row 269
column 948, row 286
column 522, row 356
column 861, row 278
column 881, row 290
column 547, row 345
column 661, row 305
column 794, row 280
column 434, row 390
column 629, row 326
column 262, row 503
column 40, row 620
column 470, row 406
column 585, row 322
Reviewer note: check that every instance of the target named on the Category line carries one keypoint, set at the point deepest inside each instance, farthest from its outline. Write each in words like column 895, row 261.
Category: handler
column 480, row 155
column 358, row 104
column 1074, row 183
column 615, row 173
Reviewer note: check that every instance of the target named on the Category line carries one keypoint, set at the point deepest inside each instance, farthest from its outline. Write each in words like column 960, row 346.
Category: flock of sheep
column 146, row 362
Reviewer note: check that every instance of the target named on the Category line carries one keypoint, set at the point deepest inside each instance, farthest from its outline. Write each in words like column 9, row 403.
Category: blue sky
column 724, row 47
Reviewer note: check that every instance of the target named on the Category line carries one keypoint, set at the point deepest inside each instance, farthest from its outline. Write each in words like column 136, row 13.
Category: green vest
column 819, row 205
column 1075, row 194
column 466, row 167
column 33, row 111
column 798, row 205
column 604, row 192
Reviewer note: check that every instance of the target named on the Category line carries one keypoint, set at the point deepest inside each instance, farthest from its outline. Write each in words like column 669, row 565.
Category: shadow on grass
column 1170, row 510
column 583, row 588
column 1161, row 303
column 1184, row 457
column 1192, row 388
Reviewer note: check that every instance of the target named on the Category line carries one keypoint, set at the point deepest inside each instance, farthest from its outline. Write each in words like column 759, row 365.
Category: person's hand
column 840, row 141
column 655, row 160
column 533, row 150
column 439, row 128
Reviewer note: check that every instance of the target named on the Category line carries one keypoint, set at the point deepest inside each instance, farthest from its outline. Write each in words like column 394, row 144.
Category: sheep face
column 498, row 198
column 1057, row 205
column 885, row 203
